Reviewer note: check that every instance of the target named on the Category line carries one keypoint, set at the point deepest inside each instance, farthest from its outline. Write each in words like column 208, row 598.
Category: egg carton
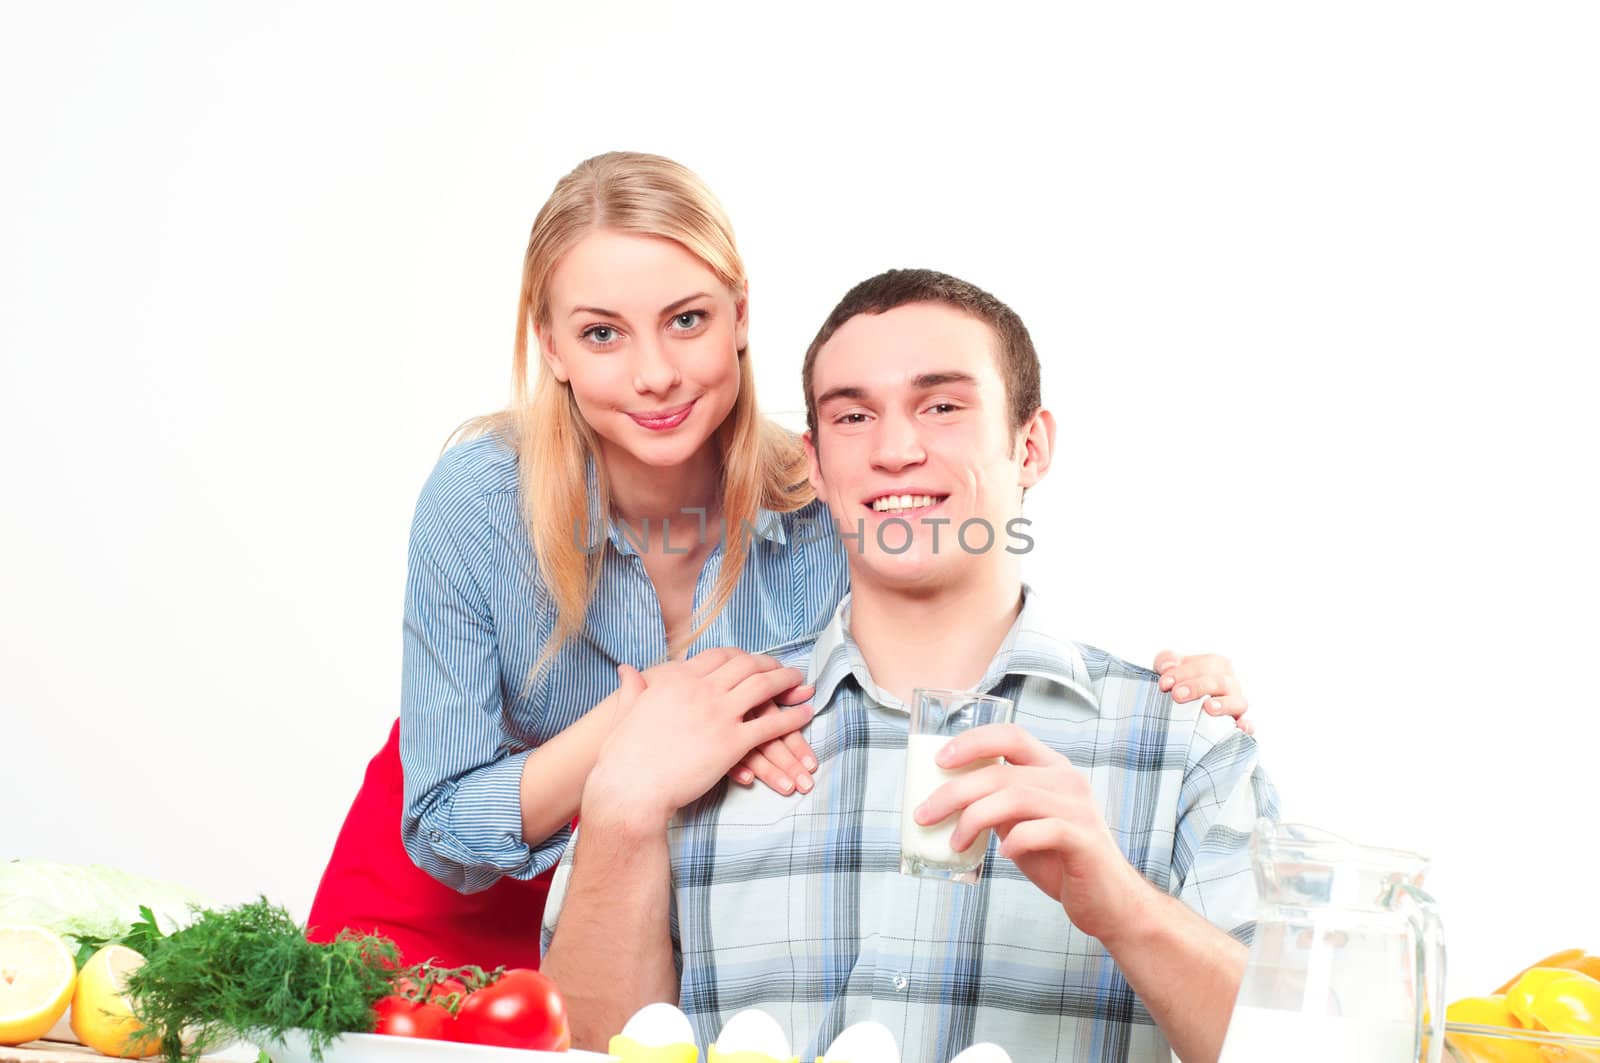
column 660, row 1033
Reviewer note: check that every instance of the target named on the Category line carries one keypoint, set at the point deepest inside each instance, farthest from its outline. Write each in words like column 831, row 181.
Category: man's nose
column 654, row 373
column 897, row 443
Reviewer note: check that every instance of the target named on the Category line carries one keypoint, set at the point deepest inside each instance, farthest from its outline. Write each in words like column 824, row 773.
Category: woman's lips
column 661, row 420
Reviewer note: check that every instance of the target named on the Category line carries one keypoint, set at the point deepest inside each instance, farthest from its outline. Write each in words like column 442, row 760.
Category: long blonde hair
column 763, row 466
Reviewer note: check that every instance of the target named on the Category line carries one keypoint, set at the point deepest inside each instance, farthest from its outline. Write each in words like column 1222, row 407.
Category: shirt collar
column 767, row 524
column 1029, row 649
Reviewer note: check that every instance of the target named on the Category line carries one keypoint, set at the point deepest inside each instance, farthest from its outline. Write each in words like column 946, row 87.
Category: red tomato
column 442, row 991
column 400, row 1017
column 446, row 991
column 521, row 1010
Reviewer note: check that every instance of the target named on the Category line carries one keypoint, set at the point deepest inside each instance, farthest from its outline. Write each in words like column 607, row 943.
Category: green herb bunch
column 249, row 973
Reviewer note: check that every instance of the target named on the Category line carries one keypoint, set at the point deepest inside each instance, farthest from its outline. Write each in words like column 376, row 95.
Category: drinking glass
column 936, row 717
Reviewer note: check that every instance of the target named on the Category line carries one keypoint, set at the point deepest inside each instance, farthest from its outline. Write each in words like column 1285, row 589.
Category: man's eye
column 689, row 319
column 851, row 418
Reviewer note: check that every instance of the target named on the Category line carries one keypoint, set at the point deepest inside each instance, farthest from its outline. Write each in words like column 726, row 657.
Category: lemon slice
column 101, row 1016
column 36, row 981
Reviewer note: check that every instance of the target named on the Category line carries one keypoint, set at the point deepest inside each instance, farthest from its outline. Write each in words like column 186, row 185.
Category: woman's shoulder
column 473, row 470
column 471, row 496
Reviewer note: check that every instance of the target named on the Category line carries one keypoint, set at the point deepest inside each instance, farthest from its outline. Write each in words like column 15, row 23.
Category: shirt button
column 901, row 981
column 433, row 835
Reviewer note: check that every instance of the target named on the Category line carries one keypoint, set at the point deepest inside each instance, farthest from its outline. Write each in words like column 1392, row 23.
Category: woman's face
column 647, row 337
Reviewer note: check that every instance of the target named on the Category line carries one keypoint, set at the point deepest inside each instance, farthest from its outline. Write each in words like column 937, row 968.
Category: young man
column 1099, row 929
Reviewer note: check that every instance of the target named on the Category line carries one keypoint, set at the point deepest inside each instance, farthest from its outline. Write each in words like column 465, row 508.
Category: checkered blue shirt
column 795, row 905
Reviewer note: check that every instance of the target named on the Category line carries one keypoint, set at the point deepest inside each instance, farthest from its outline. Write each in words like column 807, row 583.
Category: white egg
column 865, row 1042
column 659, row 1025
column 983, row 1052
column 753, row 1030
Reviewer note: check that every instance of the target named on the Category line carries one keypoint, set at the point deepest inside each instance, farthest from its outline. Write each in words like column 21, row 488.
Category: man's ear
column 547, row 351
column 741, row 319
column 1038, row 447
column 814, row 467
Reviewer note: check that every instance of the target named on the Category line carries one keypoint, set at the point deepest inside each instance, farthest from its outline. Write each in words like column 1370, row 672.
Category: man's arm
column 612, row 951
column 1185, row 970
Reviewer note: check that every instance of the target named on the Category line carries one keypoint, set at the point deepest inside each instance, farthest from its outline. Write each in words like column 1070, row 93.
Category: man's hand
column 1041, row 808
column 683, row 725
column 1186, row 971
column 1205, row 675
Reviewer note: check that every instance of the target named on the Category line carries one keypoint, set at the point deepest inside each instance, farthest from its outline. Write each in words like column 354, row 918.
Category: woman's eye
column 601, row 334
column 688, row 319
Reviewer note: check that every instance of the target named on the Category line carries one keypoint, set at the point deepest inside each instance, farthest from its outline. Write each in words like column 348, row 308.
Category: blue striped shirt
column 477, row 616
column 796, row 905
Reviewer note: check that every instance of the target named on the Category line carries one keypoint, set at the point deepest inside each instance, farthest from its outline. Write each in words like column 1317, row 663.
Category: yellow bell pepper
column 1481, row 1048
column 1564, row 958
column 1570, row 1004
column 1567, row 959
column 1482, row 1011
column 1520, row 997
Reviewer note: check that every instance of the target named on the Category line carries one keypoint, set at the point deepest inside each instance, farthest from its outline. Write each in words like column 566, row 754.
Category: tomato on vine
column 522, row 1009
column 399, row 1017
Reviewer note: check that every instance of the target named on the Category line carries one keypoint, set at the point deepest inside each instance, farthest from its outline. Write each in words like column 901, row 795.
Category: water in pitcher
column 1347, row 960
column 1270, row 1035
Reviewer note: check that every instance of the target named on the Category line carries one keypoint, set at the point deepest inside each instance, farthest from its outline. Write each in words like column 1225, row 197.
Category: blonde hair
column 763, row 466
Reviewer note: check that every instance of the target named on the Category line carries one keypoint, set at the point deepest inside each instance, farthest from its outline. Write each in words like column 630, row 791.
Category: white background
column 1316, row 291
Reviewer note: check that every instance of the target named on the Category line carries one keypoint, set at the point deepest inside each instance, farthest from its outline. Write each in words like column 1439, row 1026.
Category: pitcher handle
column 1430, row 971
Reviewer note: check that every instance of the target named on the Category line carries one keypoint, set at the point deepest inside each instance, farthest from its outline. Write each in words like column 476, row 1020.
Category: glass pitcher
column 1347, row 963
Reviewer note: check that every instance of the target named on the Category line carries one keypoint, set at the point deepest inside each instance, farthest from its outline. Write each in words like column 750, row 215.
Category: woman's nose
column 653, row 372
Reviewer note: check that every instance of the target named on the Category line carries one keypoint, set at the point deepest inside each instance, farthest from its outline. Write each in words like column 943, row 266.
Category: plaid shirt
column 796, row 905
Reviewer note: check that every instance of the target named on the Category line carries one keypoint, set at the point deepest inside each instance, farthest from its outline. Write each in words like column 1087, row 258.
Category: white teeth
column 895, row 503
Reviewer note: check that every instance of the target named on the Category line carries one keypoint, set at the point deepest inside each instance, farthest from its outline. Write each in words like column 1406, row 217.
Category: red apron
column 372, row 886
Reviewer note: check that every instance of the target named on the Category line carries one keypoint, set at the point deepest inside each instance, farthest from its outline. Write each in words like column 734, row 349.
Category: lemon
column 101, row 1016
column 36, row 980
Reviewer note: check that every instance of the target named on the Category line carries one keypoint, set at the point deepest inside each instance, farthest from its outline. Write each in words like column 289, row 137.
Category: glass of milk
column 936, row 717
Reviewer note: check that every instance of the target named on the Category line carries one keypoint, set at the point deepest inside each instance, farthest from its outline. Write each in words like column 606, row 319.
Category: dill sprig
column 248, row 973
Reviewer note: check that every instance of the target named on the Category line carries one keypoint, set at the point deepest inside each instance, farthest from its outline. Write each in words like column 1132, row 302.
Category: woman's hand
column 1205, row 675
column 784, row 764
column 682, row 725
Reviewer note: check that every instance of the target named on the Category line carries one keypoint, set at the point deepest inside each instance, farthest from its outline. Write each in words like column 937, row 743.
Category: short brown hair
column 1019, row 362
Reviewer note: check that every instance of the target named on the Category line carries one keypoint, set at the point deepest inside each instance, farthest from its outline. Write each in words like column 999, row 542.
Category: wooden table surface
column 52, row 1052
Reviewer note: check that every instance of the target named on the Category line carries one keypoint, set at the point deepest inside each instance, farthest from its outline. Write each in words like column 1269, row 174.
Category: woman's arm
column 462, row 820
column 553, row 775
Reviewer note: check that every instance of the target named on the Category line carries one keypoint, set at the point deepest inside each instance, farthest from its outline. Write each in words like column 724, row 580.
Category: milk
column 929, row 847
column 1271, row 1035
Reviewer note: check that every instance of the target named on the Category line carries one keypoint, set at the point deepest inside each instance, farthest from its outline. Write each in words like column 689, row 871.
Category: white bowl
column 383, row 1048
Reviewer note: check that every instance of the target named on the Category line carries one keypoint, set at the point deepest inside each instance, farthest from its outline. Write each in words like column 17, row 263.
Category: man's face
column 914, row 447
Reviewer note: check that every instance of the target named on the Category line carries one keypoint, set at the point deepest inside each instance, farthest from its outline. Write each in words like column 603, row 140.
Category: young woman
column 631, row 506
